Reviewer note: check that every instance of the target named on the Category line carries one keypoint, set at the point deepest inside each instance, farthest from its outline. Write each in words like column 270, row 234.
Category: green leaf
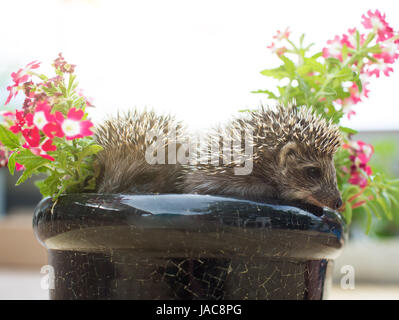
column 348, row 213
column 28, row 159
column 345, row 74
column 277, row 73
column 49, row 186
column 375, row 49
column 26, row 174
column 347, row 130
column 328, row 92
column 370, row 38
column 369, row 218
column 357, row 36
column 304, row 88
column 359, row 83
column 70, row 83
column 372, row 59
column 270, row 94
column 317, row 55
column 43, row 77
column 31, row 162
column 12, row 163
column 88, row 151
column 310, row 65
column 29, row 172
column 344, row 52
column 384, row 207
column 375, row 209
column 301, row 39
column 394, row 201
column 8, row 138
column 349, row 191
column 333, row 61
column 289, row 66
column 387, row 205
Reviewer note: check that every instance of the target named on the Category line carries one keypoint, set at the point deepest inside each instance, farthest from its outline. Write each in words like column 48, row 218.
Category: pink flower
column 13, row 92
column 357, row 179
column 355, row 97
column 19, row 77
column 350, row 114
column 19, row 122
column 282, row 35
column 375, row 68
column 360, row 155
column 355, row 94
column 368, row 170
column 32, row 137
column 73, row 127
column 278, row 50
column 350, row 39
column 44, row 120
column 89, row 100
column 376, row 21
column 47, row 145
column 390, row 52
column 41, row 116
column 334, row 50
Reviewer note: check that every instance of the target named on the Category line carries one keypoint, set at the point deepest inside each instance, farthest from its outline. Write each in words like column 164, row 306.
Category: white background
column 196, row 59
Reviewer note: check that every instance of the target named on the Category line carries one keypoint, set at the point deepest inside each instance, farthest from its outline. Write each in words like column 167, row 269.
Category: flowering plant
column 333, row 81
column 51, row 134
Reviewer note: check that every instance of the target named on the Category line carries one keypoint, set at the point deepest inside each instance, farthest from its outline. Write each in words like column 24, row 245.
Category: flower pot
column 118, row 246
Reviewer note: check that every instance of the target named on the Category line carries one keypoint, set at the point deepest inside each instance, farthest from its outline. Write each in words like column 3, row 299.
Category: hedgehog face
column 307, row 177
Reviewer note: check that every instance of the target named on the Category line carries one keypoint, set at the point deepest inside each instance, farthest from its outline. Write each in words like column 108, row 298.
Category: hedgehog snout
column 334, row 202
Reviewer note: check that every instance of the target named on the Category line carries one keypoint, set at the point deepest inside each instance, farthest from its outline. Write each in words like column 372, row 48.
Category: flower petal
column 75, row 114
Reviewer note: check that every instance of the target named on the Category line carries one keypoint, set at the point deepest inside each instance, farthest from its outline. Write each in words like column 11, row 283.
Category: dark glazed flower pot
column 186, row 247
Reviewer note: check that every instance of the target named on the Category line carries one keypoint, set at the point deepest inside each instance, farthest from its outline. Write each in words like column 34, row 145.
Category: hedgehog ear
column 291, row 148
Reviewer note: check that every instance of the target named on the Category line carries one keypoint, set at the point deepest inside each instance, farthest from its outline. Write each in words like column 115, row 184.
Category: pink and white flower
column 376, row 21
column 19, row 77
column 350, row 39
column 334, row 50
column 390, row 52
column 73, row 126
column 41, row 116
column 355, row 97
column 282, row 35
column 44, row 120
column 378, row 67
column 277, row 50
column 360, row 155
column 88, row 100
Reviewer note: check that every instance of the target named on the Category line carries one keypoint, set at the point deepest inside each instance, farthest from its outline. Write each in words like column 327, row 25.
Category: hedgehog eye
column 313, row 172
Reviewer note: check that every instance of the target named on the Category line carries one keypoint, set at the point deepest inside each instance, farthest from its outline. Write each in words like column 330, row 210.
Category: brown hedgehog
column 293, row 153
column 123, row 164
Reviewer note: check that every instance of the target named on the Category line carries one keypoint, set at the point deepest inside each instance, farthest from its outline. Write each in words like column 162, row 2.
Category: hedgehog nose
column 338, row 204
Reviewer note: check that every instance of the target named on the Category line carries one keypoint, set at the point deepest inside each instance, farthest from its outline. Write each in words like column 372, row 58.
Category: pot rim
column 185, row 218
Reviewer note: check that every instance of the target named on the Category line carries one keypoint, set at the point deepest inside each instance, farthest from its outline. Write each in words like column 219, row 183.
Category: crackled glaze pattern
column 187, row 247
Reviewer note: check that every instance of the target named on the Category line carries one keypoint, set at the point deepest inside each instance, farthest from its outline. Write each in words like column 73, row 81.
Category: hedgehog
column 293, row 150
column 123, row 164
